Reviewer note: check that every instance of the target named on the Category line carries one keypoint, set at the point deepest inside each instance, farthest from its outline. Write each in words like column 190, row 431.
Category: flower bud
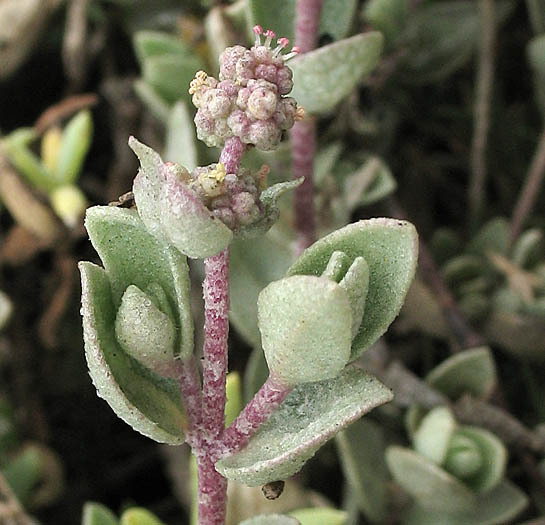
column 305, row 325
column 145, row 332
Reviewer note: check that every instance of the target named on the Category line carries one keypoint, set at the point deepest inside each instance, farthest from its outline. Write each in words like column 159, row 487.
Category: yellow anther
column 211, row 181
column 197, row 82
column 218, row 172
column 300, row 113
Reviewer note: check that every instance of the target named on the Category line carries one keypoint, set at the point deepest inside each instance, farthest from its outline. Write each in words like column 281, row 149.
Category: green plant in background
column 336, row 300
column 456, row 473
column 63, row 153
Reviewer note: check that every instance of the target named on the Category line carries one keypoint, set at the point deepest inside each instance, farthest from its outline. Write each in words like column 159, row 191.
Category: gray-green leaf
column 271, row 519
column 97, row 514
column 390, row 248
column 310, row 415
column 323, row 77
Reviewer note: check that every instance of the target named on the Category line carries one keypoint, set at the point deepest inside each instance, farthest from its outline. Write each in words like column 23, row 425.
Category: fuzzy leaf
column 320, row 516
column 305, row 324
column 429, row 484
column 254, row 264
column 147, row 403
column 173, row 212
column 132, row 256
column 310, row 415
column 278, row 16
column 431, row 438
column 153, row 43
column 97, row 514
column 171, row 74
column 494, row 459
column 371, row 183
column 337, row 18
column 501, row 505
column 271, row 519
column 271, row 212
column 390, row 248
column 361, row 450
column 181, row 139
column 323, row 77
column 471, row 371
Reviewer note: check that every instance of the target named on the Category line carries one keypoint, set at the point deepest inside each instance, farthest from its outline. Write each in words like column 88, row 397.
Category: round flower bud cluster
column 249, row 101
column 232, row 198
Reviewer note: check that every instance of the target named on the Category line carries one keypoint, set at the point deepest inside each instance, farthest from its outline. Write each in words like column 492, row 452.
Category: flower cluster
column 232, row 198
column 249, row 100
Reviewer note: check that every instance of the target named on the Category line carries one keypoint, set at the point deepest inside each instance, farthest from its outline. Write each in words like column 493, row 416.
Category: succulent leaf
column 390, row 249
column 310, row 415
column 433, row 435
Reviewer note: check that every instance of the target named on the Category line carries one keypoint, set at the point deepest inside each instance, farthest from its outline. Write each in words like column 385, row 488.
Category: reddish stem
column 303, row 135
column 303, row 138
column 257, row 411
column 231, row 154
column 190, row 385
column 212, row 497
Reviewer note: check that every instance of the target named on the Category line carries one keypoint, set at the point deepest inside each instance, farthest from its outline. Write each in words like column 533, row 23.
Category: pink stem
column 303, row 135
column 212, row 486
column 216, row 332
column 307, row 21
column 190, row 385
column 303, row 139
column 257, row 411
column 231, row 154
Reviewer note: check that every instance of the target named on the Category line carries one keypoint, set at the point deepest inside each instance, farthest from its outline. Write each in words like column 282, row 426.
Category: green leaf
column 15, row 147
column 356, row 285
column 320, row 516
column 97, row 514
column 323, row 77
column 535, row 52
column 234, row 405
column 471, row 371
column 310, row 415
column 361, row 450
column 305, row 325
column 501, row 505
column 429, row 484
column 170, row 75
column 132, row 256
column 255, row 374
column 173, row 212
column 147, row 403
column 494, row 459
column 371, row 183
column 278, row 16
column 139, row 516
column 390, row 248
column 75, row 144
column 24, row 472
column 528, row 250
column 387, row 16
column 431, row 438
column 153, row 43
column 254, row 264
column 337, row 18
column 181, row 139
column 144, row 331
column 271, row 519
column 153, row 101
column 493, row 237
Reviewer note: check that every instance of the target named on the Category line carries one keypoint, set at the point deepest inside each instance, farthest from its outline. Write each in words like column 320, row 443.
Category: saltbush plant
column 337, row 299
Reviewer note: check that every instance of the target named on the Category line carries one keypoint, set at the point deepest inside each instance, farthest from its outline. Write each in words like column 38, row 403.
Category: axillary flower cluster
column 249, row 100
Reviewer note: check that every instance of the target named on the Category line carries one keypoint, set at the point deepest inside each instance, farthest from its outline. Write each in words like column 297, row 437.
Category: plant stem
column 212, row 486
column 303, row 135
column 190, row 386
column 231, row 154
column 256, row 412
column 528, row 194
column 484, row 81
